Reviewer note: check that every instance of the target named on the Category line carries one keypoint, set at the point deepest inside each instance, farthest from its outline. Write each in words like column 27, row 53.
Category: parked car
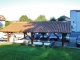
column 78, row 41
column 67, row 36
column 18, row 35
column 36, row 36
column 3, row 35
column 53, row 37
column 67, row 39
column 45, row 37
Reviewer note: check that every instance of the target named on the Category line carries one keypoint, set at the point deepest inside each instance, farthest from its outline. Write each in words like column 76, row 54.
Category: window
column 1, row 24
column 73, row 21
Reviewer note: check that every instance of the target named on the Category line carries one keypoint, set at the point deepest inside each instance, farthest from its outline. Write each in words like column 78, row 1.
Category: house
column 75, row 20
column 67, row 18
column 2, row 21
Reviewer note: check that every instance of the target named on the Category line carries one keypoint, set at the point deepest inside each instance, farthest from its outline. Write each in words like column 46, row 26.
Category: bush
column 7, row 23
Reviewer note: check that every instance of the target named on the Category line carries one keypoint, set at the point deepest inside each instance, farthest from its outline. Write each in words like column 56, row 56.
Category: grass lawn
column 22, row 52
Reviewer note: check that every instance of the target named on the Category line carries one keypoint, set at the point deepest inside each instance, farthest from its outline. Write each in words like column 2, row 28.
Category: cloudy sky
column 13, row 9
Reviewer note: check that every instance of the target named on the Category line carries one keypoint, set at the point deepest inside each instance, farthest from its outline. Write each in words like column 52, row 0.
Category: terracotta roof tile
column 61, row 27
column 2, row 18
column 56, row 27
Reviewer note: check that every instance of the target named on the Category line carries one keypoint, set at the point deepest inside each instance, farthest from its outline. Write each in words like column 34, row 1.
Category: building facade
column 2, row 21
column 75, row 20
column 67, row 18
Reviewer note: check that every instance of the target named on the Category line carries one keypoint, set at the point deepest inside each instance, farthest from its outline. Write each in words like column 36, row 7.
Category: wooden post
column 63, row 38
column 32, row 37
column 8, row 37
column 24, row 35
column 42, row 43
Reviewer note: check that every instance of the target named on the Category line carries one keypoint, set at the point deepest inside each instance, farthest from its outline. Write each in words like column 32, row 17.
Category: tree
column 24, row 18
column 41, row 18
column 7, row 23
column 52, row 19
column 62, row 18
column 29, row 19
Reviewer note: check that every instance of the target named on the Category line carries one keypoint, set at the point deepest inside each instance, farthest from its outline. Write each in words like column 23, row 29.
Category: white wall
column 3, row 22
column 67, row 19
column 78, row 21
column 75, row 17
column 73, row 20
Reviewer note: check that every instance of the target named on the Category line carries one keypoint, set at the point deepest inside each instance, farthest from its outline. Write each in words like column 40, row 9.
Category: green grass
column 21, row 52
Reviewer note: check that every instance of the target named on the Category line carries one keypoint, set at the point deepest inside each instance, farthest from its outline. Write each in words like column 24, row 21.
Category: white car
column 3, row 35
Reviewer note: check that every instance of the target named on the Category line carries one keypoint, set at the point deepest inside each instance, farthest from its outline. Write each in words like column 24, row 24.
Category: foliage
column 29, row 19
column 21, row 52
column 41, row 18
column 62, row 18
column 7, row 23
column 52, row 19
column 1, row 28
column 24, row 18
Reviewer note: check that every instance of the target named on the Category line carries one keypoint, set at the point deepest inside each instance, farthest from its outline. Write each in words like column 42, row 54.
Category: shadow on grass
column 23, row 52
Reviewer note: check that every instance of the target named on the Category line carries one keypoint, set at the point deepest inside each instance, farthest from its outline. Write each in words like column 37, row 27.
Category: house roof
column 55, row 27
column 76, row 10
column 67, row 17
column 2, row 18
column 14, row 27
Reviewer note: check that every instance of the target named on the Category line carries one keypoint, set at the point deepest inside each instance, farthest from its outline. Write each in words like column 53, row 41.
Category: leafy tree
column 7, row 23
column 29, row 19
column 52, row 19
column 41, row 18
column 24, row 18
column 62, row 18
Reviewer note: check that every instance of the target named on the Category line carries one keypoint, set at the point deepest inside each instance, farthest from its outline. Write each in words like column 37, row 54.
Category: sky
column 14, row 9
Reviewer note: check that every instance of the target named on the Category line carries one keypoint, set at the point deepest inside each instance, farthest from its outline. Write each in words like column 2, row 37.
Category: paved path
column 72, row 43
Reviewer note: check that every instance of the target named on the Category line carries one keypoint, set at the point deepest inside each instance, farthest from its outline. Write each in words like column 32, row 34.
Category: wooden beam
column 28, row 36
column 24, row 35
column 42, row 43
column 56, row 36
column 32, row 37
column 63, row 38
column 8, row 37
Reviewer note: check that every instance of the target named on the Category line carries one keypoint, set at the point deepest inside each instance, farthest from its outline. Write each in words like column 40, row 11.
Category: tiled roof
column 56, row 27
column 2, row 18
column 13, row 27
column 61, row 27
